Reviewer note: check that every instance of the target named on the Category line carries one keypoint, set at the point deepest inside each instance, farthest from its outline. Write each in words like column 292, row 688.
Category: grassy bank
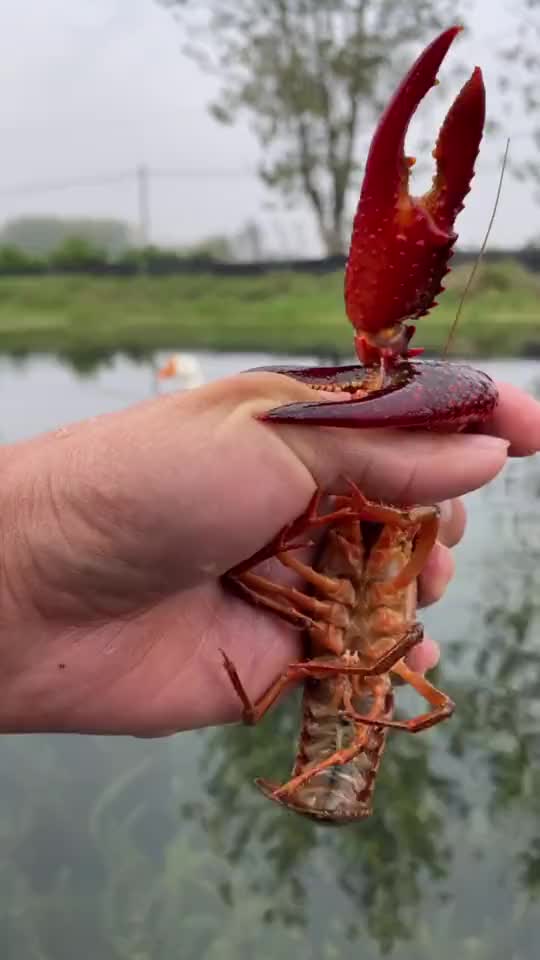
column 282, row 312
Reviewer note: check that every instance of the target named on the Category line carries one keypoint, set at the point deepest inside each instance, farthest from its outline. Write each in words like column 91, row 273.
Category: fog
column 93, row 88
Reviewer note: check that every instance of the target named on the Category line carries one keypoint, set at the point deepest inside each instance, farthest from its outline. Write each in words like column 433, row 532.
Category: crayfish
column 358, row 605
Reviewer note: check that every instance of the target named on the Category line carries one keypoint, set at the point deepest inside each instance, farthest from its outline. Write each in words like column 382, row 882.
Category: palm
column 115, row 598
column 170, row 665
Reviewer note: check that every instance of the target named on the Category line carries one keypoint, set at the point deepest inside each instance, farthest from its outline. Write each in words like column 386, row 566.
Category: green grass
column 81, row 316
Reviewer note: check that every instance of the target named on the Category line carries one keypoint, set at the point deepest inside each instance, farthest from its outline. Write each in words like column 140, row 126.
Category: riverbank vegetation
column 282, row 312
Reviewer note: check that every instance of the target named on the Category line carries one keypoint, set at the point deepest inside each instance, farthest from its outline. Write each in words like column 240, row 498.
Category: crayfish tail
column 332, row 818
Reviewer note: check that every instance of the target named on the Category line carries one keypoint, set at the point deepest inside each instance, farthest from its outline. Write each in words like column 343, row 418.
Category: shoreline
column 281, row 313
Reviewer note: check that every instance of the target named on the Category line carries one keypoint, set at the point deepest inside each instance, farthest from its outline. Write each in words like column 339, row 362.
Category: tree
column 520, row 62
column 40, row 235
column 312, row 75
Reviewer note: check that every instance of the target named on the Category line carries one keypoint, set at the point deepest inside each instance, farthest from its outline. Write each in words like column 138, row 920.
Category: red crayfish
column 359, row 602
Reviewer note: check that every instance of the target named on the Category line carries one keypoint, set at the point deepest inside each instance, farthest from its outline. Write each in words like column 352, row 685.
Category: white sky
column 92, row 87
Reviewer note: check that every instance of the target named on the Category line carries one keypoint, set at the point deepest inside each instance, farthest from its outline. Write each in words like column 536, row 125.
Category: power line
column 47, row 186
column 97, row 180
column 171, row 173
column 210, row 173
column 142, row 178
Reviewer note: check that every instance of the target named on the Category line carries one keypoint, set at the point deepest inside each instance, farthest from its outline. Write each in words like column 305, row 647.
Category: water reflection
column 461, row 802
column 131, row 851
column 370, row 874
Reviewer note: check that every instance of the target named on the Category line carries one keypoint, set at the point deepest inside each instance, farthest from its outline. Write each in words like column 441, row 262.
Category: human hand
column 115, row 532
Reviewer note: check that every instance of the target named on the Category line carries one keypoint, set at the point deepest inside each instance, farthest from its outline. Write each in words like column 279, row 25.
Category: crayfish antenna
column 478, row 260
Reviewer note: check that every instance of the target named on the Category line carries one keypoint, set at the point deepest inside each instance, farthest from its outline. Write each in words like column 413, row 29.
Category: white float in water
column 184, row 368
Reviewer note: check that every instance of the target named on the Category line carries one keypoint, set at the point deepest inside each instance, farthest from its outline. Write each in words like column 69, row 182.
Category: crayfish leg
column 254, row 711
column 443, row 706
column 423, row 545
column 295, row 672
column 287, row 538
column 283, row 600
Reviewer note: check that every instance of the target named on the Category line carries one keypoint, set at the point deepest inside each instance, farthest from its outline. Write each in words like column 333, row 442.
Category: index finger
column 516, row 418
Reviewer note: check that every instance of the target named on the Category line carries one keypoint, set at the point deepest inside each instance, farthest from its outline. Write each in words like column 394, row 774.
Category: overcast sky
column 92, row 87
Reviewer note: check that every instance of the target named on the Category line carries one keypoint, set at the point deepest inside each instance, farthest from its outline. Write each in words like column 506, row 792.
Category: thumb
column 400, row 466
column 396, row 465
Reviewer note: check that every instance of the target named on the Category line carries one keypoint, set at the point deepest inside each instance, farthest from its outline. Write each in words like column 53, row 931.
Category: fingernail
column 482, row 441
column 447, row 510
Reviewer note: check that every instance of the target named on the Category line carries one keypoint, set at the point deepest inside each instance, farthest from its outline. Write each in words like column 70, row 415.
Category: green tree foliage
column 520, row 59
column 312, row 75
column 39, row 236
column 77, row 251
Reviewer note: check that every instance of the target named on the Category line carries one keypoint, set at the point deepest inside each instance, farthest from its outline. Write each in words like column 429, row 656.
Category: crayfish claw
column 433, row 395
column 456, row 151
column 401, row 244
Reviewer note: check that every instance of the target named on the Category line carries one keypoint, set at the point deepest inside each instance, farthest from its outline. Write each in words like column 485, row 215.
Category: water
column 131, row 850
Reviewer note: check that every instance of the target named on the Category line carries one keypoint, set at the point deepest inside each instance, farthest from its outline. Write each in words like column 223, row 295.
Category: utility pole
column 143, row 206
column 143, row 203
column 142, row 174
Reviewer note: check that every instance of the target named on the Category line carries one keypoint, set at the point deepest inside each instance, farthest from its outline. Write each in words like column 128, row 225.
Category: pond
column 117, row 849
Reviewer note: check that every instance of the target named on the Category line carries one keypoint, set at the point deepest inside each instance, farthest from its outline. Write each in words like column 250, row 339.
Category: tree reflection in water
column 501, row 699
column 378, row 863
column 127, row 850
column 452, row 807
